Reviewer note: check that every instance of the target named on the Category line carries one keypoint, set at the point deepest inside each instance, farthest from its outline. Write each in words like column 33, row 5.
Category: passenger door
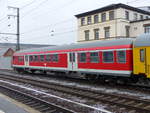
column 26, row 60
column 147, row 62
column 72, row 61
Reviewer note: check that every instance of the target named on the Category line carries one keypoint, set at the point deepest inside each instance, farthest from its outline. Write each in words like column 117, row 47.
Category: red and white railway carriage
column 108, row 57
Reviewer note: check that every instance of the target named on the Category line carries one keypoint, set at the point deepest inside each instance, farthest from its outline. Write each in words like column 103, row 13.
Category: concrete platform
column 8, row 105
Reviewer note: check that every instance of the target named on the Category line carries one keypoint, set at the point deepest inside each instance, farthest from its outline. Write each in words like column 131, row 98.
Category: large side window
column 36, row 58
column 31, row 58
column 142, row 55
column 20, row 58
column 82, row 57
column 55, row 57
column 41, row 57
column 94, row 57
column 108, row 57
column 48, row 57
column 121, row 56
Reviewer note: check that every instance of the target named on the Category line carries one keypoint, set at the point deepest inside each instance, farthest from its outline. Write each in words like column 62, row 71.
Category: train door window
column 108, row 57
column 142, row 55
column 48, row 58
column 94, row 57
column 31, row 58
column 55, row 58
column 121, row 56
column 41, row 57
column 82, row 57
column 72, row 57
column 26, row 58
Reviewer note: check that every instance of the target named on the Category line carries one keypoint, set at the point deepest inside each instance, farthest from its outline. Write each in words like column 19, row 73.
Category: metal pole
column 18, row 30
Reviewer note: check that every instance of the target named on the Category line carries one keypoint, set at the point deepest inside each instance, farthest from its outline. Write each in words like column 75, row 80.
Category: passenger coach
column 101, row 58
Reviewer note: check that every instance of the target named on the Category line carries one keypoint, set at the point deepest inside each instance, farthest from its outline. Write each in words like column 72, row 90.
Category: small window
column 89, row 20
column 31, row 58
column 141, row 17
column 82, row 57
column 121, row 56
column 48, row 58
column 82, row 21
column 127, row 15
column 94, row 57
column 147, row 29
column 55, row 58
column 41, row 57
column 111, row 15
column 108, row 57
column 142, row 55
column 96, row 18
column 96, row 34
column 135, row 16
column 87, row 34
column 107, row 32
column 103, row 17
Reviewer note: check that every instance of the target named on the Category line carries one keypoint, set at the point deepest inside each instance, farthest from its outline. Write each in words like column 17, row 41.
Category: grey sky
column 50, row 21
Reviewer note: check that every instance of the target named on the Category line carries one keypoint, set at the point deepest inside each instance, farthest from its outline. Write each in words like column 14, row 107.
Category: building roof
column 22, row 46
column 148, row 19
column 111, row 7
column 101, row 43
column 3, row 51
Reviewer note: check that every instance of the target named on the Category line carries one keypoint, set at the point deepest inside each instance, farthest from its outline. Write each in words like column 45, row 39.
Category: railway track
column 38, row 104
column 129, row 103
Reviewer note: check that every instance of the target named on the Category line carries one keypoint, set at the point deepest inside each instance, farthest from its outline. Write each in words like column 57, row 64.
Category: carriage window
column 108, row 57
column 55, row 58
column 94, row 57
column 36, row 58
column 41, row 57
column 142, row 55
column 82, row 57
column 20, row 58
column 31, row 58
column 121, row 56
column 48, row 58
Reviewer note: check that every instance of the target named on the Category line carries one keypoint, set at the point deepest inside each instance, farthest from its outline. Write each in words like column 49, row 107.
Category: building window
column 121, row 56
column 147, row 29
column 127, row 15
column 96, row 18
column 94, row 57
column 103, row 17
column 135, row 16
column 82, row 21
column 127, row 28
column 141, row 17
column 108, row 57
column 111, row 15
column 82, row 57
column 147, row 17
column 41, row 57
column 107, row 32
column 87, row 33
column 89, row 20
column 96, row 34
